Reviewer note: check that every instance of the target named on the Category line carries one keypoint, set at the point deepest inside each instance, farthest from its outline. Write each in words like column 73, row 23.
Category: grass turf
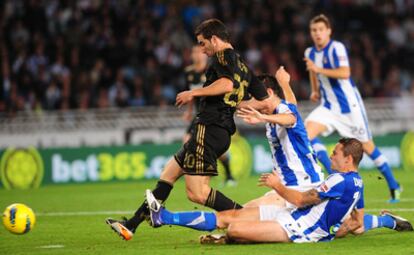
column 84, row 231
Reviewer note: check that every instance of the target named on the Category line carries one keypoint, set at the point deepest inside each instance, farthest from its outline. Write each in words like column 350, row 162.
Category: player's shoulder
column 355, row 178
column 308, row 51
column 335, row 178
column 338, row 45
column 282, row 107
column 285, row 107
column 225, row 57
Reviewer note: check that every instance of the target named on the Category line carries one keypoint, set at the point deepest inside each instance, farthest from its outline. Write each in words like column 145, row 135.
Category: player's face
column 270, row 102
column 320, row 34
column 205, row 45
column 197, row 55
column 338, row 160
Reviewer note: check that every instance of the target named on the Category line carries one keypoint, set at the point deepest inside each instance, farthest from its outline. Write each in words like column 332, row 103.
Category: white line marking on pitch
column 60, row 214
column 52, row 246
column 83, row 213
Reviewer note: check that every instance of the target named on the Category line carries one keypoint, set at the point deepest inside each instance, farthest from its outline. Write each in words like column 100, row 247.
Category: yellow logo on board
column 21, row 168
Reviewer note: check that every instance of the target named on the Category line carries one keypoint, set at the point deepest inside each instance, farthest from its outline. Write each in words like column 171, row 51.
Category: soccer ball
column 18, row 218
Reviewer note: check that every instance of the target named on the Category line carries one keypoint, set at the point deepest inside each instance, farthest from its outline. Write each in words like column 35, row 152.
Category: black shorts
column 199, row 155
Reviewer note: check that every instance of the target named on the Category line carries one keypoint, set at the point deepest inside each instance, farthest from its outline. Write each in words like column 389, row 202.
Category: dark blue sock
column 373, row 222
column 205, row 221
column 382, row 165
column 322, row 154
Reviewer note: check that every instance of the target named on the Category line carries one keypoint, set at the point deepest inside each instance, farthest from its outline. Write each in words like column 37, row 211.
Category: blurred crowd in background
column 83, row 54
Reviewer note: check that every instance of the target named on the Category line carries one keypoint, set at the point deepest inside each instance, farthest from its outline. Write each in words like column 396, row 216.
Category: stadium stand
column 97, row 54
column 90, row 72
column 116, row 126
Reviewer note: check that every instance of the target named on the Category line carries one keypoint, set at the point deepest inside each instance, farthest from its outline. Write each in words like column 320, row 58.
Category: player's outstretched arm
column 219, row 87
column 283, row 78
column 252, row 116
column 299, row 199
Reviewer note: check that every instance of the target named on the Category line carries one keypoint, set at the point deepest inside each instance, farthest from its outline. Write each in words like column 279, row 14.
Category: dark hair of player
column 270, row 82
column 352, row 147
column 321, row 18
column 211, row 27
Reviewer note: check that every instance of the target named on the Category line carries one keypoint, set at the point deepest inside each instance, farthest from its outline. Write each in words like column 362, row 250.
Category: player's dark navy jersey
column 219, row 109
column 194, row 80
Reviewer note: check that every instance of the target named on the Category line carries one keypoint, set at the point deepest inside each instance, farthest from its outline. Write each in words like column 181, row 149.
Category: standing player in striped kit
column 341, row 107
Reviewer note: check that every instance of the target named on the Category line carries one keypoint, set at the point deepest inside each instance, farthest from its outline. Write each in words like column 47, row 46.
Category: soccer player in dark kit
column 227, row 81
column 195, row 78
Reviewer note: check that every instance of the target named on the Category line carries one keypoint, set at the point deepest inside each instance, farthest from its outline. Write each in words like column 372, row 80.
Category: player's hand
column 250, row 115
column 315, row 96
column 183, row 98
column 310, row 66
column 270, row 180
column 282, row 77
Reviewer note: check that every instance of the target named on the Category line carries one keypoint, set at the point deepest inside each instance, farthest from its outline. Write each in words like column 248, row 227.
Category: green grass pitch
column 70, row 220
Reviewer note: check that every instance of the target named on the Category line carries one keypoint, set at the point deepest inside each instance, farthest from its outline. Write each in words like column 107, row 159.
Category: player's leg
column 126, row 228
column 321, row 154
column 199, row 191
column 314, row 129
column 225, row 160
column 386, row 220
column 159, row 215
column 248, row 225
column 225, row 218
column 382, row 164
column 257, row 232
column 199, row 220
column 270, row 198
column 318, row 122
column 200, row 163
column 172, row 171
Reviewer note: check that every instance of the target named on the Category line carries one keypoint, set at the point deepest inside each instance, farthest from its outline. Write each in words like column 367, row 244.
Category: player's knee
column 252, row 203
column 196, row 196
column 234, row 232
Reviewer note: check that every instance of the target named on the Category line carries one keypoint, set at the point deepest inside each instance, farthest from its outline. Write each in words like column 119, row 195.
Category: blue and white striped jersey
column 292, row 153
column 338, row 95
column 340, row 194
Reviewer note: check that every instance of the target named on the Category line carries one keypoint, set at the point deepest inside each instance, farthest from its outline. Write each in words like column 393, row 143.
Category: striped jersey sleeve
column 332, row 187
column 340, row 55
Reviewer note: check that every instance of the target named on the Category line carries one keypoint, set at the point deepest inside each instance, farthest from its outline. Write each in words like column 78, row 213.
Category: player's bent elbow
column 346, row 73
column 359, row 231
column 227, row 85
column 229, row 88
